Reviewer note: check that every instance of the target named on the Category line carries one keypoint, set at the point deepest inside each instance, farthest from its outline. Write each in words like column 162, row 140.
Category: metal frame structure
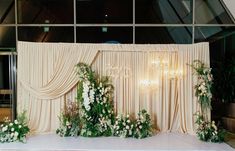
column 133, row 24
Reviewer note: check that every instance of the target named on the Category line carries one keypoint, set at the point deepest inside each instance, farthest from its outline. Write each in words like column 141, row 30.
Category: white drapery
column 46, row 80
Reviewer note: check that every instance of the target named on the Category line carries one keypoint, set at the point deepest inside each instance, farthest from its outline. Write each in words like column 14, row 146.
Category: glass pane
column 7, row 37
column 5, row 91
column 164, row 11
column 163, row 35
column 46, row 34
column 212, row 33
column 45, row 11
column 104, row 34
column 104, row 11
column 7, row 11
column 211, row 12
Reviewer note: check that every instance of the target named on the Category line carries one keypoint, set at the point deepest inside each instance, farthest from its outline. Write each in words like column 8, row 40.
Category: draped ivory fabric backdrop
column 153, row 77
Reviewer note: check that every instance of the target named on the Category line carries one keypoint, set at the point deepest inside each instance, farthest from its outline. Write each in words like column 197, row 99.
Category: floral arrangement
column 95, row 96
column 14, row 131
column 123, row 126
column 69, row 121
column 143, row 126
column 203, row 87
column 140, row 127
column 95, row 114
column 208, row 131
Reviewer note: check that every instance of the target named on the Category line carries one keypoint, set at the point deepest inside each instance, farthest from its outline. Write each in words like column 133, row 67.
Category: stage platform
column 159, row 142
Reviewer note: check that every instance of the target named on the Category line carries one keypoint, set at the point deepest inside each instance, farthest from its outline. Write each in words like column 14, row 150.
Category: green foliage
column 203, row 88
column 95, row 96
column 69, row 121
column 208, row 131
column 142, row 126
column 96, row 115
column 123, row 126
column 14, row 131
column 204, row 85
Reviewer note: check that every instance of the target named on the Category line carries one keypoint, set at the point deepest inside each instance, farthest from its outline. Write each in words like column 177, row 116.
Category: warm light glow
column 160, row 63
column 149, row 84
column 174, row 73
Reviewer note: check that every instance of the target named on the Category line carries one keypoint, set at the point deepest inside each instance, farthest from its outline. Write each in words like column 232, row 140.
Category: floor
column 161, row 142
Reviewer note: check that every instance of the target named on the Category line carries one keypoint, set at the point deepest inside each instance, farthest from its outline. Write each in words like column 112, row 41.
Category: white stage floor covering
column 161, row 142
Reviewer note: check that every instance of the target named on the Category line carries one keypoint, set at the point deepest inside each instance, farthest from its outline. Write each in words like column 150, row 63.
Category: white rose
column 16, row 122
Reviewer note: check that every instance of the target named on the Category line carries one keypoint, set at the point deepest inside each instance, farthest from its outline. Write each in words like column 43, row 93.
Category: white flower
column 130, row 132
column 11, row 124
column 16, row 122
column 123, row 123
column 16, row 134
column 127, row 127
column 12, row 134
column 128, row 121
column 140, row 127
column 4, row 129
column 104, row 99
column 19, row 126
column 127, row 115
column 116, row 122
column 1, row 125
column 12, row 129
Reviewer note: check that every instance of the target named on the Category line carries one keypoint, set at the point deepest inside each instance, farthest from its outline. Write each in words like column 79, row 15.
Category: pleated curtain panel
column 153, row 77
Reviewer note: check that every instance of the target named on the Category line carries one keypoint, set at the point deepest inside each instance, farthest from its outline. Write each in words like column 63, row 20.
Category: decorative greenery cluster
column 204, row 85
column 208, row 131
column 140, row 127
column 69, row 121
column 14, row 131
column 143, row 125
column 95, row 115
column 123, row 126
column 95, row 98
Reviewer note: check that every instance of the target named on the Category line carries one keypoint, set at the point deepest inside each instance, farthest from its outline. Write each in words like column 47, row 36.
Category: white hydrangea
column 16, row 122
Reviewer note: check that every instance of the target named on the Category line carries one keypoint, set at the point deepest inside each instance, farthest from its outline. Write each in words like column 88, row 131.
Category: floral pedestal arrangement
column 206, row 130
column 14, row 131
